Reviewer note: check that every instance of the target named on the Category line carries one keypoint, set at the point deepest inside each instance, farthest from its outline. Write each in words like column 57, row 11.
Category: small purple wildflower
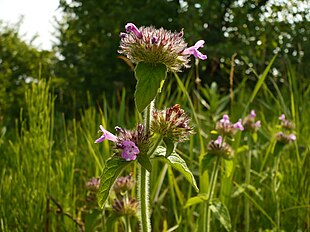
column 292, row 137
column 253, row 114
column 238, row 125
column 130, row 150
column 225, row 119
column 219, row 140
column 193, row 50
column 122, row 35
column 282, row 117
column 257, row 124
column 93, row 184
column 107, row 135
column 130, row 27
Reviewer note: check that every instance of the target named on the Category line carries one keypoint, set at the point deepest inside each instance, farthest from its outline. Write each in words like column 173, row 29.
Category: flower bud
column 125, row 207
column 123, row 184
column 285, row 138
column 93, row 184
column 225, row 127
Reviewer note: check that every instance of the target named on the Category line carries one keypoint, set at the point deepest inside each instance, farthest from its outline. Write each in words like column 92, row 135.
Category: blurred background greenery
column 85, row 59
column 52, row 102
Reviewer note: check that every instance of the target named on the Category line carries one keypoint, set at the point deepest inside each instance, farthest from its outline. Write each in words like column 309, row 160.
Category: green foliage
column 20, row 64
column 150, row 78
column 177, row 163
column 114, row 166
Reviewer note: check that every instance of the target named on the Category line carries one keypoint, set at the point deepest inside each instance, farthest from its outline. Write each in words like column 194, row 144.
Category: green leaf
column 221, row 213
column 111, row 171
column 229, row 165
column 196, row 200
column 150, row 80
column 170, row 146
column 262, row 79
column 177, row 163
column 145, row 162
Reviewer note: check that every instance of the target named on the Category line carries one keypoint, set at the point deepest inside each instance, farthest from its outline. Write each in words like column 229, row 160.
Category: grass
column 46, row 161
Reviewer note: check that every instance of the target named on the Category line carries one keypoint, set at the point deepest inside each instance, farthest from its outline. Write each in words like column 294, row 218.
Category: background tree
column 255, row 30
column 20, row 64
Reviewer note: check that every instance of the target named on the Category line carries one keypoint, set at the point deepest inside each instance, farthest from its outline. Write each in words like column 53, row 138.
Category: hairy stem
column 144, row 176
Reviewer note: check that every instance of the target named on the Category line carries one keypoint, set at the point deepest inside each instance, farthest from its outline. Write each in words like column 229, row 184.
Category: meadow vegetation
column 47, row 132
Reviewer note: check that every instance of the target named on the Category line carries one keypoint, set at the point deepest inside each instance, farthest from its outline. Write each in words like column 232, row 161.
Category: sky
column 38, row 19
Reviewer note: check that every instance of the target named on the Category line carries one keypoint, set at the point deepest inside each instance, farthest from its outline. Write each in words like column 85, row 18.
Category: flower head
column 125, row 206
column 153, row 45
column 93, row 184
column 106, row 135
column 128, row 144
column 225, row 127
column 286, row 124
column 218, row 147
column 250, row 124
column 172, row 123
column 123, row 184
column 285, row 138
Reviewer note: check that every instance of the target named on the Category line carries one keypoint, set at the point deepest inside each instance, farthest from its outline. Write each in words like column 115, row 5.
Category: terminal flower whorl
column 151, row 45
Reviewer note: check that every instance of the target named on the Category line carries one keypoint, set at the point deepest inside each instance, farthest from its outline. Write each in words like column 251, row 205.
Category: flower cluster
column 227, row 128
column 128, row 143
column 93, row 184
column 220, row 148
column 286, row 136
column 123, row 204
column 123, row 184
column 250, row 124
column 153, row 45
column 172, row 123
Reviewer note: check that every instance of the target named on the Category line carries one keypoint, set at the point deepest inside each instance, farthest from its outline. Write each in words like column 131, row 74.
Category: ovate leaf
column 177, row 163
column 111, row 171
column 221, row 213
column 150, row 78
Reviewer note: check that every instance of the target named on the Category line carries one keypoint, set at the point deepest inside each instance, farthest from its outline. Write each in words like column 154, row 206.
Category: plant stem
column 275, row 190
column 246, row 200
column 144, row 176
column 211, row 191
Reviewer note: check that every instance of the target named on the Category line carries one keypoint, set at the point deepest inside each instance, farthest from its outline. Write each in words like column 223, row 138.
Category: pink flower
column 193, row 50
column 253, row 114
column 219, row 140
column 238, row 125
column 107, row 135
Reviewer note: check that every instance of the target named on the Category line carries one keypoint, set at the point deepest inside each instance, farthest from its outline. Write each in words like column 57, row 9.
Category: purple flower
column 292, row 137
column 238, row 125
column 131, row 27
column 258, row 124
column 253, row 114
column 130, row 150
column 154, row 40
column 219, row 140
column 107, row 135
column 225, row 119
column 282, row 117
column 193, row 50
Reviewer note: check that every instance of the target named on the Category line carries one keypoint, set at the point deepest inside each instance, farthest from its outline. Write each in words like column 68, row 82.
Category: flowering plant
column 155, row 52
